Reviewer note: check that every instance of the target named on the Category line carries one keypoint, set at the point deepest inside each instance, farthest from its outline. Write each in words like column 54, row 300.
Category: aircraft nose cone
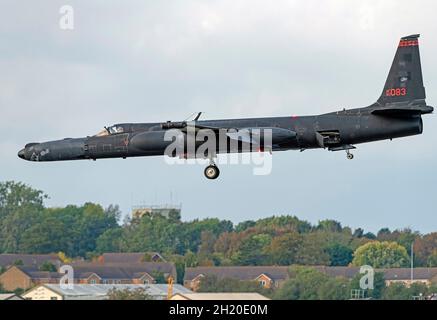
column 22, row 153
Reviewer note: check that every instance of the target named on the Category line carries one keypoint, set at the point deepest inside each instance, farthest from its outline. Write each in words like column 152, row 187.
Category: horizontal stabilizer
column 407, row 110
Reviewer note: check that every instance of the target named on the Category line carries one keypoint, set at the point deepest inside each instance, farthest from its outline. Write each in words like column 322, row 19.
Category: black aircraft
column 397, row 113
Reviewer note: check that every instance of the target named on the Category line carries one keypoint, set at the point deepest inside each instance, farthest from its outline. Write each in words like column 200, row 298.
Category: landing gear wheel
column 350, row 156
column 212, row 172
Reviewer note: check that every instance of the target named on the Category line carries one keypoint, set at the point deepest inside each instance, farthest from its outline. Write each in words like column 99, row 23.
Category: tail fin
column 404, row 82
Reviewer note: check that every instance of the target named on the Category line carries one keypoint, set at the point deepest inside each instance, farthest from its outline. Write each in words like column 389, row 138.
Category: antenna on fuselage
column 196, row 118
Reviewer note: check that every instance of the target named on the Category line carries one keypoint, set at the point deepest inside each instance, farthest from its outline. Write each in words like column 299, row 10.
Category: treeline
column 307, row 283
column 27, row 226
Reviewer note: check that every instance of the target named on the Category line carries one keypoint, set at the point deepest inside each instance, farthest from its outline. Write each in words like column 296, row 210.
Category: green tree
column 15, row 195
column 283, row 250
column 330, row 226
column 424, row 249
column 381, row 255
column 312, row 252
column 251, row 250
column 44, row 236
column 20, row 206
column 243, row 226
column 190, row 259
column 48, row 266
column 206, row 248
column 369, row 235
column 14, row 226
column 378, row 285
column 159, row 277
column 128, row 294
column 339, row 255
column 110, row 240
column 334, row 289
column 214, row 284
column 289, row 223
column 399, row 291
column 418, row 290
column 307, row 283
column 179, row 262
column 432, row 259
column 18, row 262
column 396, row 291
column 358, row 233
column 384, row 234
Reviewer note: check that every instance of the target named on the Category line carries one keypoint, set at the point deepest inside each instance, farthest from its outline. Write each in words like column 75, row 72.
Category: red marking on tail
column 408, row 43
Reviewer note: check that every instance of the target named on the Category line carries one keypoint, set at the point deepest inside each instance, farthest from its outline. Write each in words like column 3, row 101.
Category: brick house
column 24, row 277
column 267, row 277
column 274, row 276
column 122, row 273
column 426, row 276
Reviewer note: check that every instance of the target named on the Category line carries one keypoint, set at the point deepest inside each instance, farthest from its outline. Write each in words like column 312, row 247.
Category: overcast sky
column 146, row 61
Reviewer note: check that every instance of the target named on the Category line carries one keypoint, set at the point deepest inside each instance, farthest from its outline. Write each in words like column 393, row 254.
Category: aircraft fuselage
column 147, row 139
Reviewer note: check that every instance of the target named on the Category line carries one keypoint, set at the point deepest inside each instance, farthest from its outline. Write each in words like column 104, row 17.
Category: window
column 93, row 281
column 110, row 130
column 115, row 129
column 263, row 283
column 146, row 281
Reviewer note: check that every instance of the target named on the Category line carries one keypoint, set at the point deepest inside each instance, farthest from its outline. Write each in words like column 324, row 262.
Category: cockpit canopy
column 116, row 129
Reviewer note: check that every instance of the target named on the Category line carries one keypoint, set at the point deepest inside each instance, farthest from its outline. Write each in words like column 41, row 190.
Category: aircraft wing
column 242, row 135
column 255, row 136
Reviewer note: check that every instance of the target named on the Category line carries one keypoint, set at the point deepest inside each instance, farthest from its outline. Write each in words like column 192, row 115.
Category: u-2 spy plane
column 397, row 113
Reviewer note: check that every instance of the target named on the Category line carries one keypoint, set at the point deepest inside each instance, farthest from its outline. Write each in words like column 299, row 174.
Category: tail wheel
column 212, row 172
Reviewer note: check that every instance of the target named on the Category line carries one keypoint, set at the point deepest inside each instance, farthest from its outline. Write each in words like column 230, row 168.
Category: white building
column 154, row 210
column 97, row 291
column 10, row 296
column 219, row 296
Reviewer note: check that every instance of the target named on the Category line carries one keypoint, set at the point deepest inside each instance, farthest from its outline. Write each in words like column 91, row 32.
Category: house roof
column 389, row 274
column 84, row 270
column 10, row 296
column 405, row 273
column 8, row 259
column 100, row 291
column 345, row 272
column 34, row 273
column 241, row 273
column 129, row 257
column 281, row 273
column 219, row 296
